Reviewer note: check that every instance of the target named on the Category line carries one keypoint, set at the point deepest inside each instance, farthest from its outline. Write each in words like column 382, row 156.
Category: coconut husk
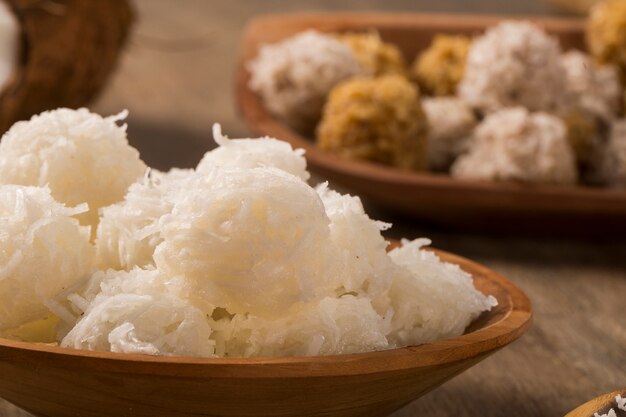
column 68, row 50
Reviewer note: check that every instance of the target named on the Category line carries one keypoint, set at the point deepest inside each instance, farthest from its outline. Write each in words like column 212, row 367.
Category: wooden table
column 176, row 80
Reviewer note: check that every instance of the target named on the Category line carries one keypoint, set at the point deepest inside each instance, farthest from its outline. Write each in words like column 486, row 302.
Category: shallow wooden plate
column 544, row 209
column 600, row 405
column 58, row 382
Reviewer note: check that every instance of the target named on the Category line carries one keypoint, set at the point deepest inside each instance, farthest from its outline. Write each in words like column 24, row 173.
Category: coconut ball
column 613, row 163
column 431, row 299
column 375, row 56
column 253, row 153
column 332, row 326
column 513, row 64
column 364, row 266
column 451, row 123
column 515, row 144
column 128, row 231
column 376, row 119
column 139, row 311
column 250, row 240
column 606, row 34
column 439, row 69
column 592, row 89
column 293, row 77
column 44, row 252
column 81, row 156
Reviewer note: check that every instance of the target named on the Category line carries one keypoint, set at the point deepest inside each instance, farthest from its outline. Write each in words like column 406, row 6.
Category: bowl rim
column 596, row 404
column 260, row 120
column 475, row 344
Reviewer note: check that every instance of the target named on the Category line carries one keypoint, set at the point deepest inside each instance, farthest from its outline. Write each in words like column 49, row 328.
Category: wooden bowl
column 58, row 382
column 436, row 198
column 600, row 405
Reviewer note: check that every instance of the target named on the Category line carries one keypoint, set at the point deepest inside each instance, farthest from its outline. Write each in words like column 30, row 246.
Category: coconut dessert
column 451, row 123
column 376, row 119
column 44, row 251
column 294, row 76
column 239, row 257
column 513, row 64
column 81, row 156
column 432, row 116
column 440, row 68
column 606, row 34
column 375, row 56
column 515, row 144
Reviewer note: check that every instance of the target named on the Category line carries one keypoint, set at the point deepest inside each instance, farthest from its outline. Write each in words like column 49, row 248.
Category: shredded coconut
column 595, row 90
column 44, row 251
column 128, row 231
column 332, row 326
column 237, row 258
column 431, row 299
column 81, row 156
column 252, row 240
column 294, row 76
column 254, row 153
column 513, row 64
column 514, row 144
column 451, row 124
column 141, row 311
column 373, row 54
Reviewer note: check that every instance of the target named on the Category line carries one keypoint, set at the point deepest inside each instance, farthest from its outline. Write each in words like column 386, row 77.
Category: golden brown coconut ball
column 439, row 69
column 376, row 119
column 375, row 56
column 606, row 34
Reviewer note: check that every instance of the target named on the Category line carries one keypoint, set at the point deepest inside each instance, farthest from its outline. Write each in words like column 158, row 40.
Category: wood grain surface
column 176, row 79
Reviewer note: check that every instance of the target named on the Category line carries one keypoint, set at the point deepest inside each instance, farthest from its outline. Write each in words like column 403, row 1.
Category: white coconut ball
column 515, row 144
column 513, row 64
column 81, row 156
column 451, row 123
column 364, row 266
column 595, row 90
column 294, row 76
column 253, row 153
column 44, row 252
column 332, row 326
column 139, row 311
column 128, row 231
column 250, row 240
column 431, row 299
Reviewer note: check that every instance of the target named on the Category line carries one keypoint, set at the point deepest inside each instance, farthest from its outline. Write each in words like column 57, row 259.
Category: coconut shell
column 68, row 50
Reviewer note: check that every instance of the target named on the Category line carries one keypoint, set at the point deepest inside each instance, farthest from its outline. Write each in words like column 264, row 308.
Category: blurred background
column 176, row 75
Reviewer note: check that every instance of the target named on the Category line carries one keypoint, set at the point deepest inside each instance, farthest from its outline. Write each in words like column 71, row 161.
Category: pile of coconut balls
column 237, row 257
column 508, row 105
